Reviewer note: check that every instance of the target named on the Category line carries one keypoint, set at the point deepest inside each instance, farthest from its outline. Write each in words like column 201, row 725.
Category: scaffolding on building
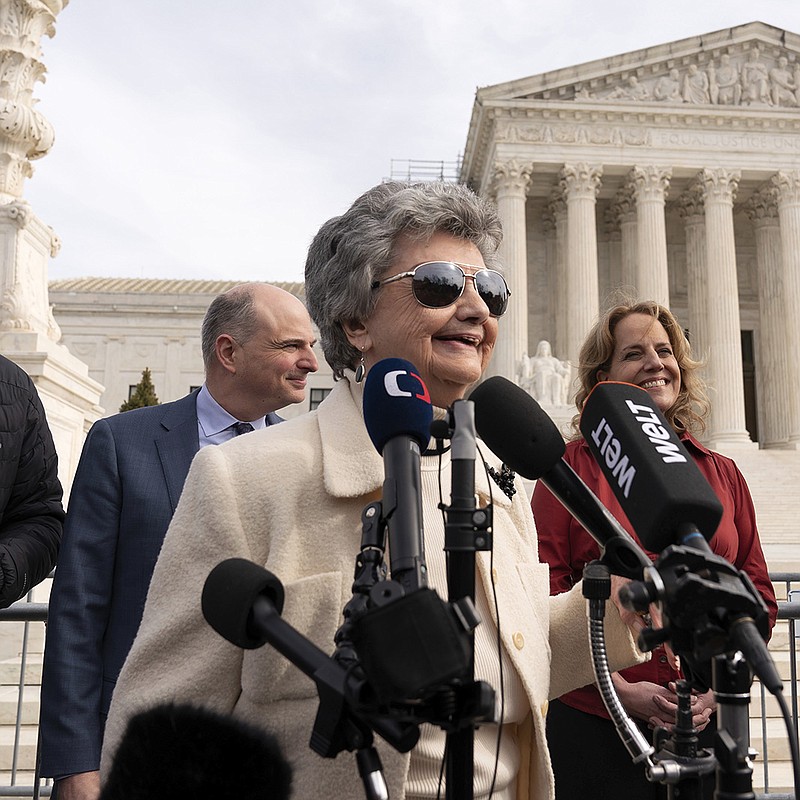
column 420, row 171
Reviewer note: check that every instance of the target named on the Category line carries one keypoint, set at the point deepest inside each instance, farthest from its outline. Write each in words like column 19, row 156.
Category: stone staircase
column 774, row 480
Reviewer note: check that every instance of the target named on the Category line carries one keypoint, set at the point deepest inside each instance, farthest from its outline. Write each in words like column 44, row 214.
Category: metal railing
column 788, row 612
column 28, row 612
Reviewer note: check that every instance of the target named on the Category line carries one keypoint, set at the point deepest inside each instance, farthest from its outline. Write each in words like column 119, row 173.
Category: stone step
column 10, row 671
column 9, row 703
column 26, row 756
column 781, row 778
column 777, row 745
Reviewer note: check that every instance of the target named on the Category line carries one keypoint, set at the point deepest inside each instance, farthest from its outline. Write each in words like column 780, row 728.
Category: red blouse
column 567, row 547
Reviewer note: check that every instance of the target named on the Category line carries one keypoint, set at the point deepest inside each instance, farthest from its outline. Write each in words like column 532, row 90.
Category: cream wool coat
column 291, row 498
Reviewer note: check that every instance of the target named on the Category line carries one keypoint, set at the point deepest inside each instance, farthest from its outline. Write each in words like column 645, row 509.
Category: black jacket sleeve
column 31, row 512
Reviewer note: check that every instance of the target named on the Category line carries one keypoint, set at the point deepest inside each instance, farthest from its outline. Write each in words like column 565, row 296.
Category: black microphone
column 652, row 475
column 398, row 416
column 669, row 501
column 520, row 433
column 242, row 602
column 174, row 751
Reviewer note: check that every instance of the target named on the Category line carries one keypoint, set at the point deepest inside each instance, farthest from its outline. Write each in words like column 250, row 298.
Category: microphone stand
column 467, row 530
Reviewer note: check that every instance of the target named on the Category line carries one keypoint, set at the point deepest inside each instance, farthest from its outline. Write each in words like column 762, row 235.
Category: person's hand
column 647, row 701
column 633, row 619
column 657, row 622
column 81, row 786
column 703, row 706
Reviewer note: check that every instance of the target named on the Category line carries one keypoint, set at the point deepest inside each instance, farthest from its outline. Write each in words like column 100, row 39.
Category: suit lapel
column 178, row 444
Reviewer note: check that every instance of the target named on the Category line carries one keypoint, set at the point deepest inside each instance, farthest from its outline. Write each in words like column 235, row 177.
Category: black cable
column 499, row 639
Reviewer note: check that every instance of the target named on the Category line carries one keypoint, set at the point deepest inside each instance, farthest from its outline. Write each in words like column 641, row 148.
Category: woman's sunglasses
column 437, row 284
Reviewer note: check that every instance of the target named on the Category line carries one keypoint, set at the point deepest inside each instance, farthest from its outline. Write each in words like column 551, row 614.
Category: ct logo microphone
column 392, row 386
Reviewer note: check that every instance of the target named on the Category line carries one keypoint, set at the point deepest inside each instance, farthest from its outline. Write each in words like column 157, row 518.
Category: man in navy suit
column 257, row 350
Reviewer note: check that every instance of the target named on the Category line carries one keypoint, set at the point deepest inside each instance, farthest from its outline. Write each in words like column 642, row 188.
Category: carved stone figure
column 631, row 90
column 668, row 87
column 724, row 85
column 695, row 85
column 755, row 79
column 544, row 377
column 783, row 85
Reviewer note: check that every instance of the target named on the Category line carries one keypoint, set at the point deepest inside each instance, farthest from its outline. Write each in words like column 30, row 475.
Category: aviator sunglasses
column 437, row 284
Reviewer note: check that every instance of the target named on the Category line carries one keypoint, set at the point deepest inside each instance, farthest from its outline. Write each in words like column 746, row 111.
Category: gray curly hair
column 351, row 251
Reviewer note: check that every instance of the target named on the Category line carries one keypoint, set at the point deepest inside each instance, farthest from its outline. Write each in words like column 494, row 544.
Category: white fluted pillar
column 614, row 237
column 626, row 206
column 788, row 185
column 773, row 375
column 724, row 329
column 511, row 181
column 650, row 190
column 691, row 208
column 581, row 183
column 546, row 328
column 559, row 206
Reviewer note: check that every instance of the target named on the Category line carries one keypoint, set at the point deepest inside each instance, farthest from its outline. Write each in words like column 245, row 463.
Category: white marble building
column 674, row 172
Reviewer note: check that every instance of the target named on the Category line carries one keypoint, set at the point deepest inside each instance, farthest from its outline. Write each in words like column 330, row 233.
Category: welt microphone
column 398, row 416
column 516, row 429
column 652, row 475
column 668, row 501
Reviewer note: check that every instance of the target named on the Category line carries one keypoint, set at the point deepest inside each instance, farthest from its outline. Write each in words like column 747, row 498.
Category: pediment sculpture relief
column 750, row 79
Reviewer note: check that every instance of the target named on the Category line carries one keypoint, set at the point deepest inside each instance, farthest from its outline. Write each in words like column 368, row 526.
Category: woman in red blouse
column 640, row 343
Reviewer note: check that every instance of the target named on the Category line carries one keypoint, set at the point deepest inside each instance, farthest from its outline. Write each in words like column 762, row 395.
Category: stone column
column 545, row 327
column 788, row 185
column 691, row 208
column 626, row 206
column 28, row 332
column 558, row 208
column 614, row 234
column 511, row 181
column 581, row 183
column 650, row 190
column 724, row 330
column 772, row 372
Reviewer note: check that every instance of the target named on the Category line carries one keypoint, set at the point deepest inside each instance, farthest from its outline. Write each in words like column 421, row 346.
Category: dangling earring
column 361, row 369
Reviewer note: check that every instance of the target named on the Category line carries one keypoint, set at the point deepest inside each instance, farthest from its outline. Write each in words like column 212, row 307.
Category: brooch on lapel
column 504, row 479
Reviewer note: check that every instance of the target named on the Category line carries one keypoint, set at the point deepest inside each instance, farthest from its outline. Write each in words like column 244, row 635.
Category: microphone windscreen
column 175, row 751
column 229, row 593
column 656, row 481
column 396, row 403
column 515, row 428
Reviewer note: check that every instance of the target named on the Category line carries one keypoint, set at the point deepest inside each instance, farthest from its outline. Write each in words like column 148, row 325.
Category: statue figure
column 668, row 87
column 783, row 84
column 755, row 79
column 632, row 90
column 724, row 85
column 548, row 380
column 695, row 86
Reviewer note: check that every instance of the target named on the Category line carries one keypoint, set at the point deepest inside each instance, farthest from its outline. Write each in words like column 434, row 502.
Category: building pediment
column 754, row 65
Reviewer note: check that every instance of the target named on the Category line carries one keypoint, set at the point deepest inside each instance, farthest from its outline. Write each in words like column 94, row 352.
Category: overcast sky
column 207, row 139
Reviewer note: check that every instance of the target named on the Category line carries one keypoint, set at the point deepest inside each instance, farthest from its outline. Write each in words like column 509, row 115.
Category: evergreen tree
column 143, row 395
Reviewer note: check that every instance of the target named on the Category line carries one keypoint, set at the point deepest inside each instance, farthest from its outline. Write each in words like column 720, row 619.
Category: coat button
column 519, row 640
column 545, row 707
column 663, row 659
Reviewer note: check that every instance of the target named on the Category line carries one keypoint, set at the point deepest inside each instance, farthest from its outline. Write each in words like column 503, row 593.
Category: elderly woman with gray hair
column 409, row 271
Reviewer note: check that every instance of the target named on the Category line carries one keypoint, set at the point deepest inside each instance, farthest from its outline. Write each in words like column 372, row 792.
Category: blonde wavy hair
column 692, row 407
